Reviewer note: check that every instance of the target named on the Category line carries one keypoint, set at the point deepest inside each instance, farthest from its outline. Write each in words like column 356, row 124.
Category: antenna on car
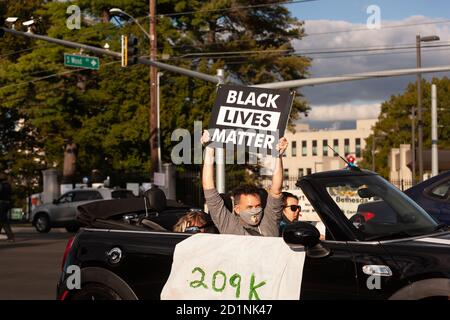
column 350, row 165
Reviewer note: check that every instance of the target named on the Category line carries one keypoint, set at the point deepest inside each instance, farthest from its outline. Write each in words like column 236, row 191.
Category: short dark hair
column 288, row 195
column 245, row 189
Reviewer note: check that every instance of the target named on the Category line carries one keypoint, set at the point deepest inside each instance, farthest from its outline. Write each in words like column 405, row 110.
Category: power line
column 249, row 40
column 405, row 25
column 51, row 76
column 409, row 51
column 237, row 54
column 173, row 14
column 91, row 32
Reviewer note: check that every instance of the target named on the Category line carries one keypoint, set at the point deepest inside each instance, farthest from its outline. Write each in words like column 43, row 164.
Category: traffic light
column 129, row 50
column 123, row 50
column 132, row 51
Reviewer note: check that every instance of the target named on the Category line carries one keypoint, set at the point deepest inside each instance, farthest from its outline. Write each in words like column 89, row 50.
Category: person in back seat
column 194, row 222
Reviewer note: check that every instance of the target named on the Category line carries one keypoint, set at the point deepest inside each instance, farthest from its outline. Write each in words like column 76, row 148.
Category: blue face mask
column 252, row 217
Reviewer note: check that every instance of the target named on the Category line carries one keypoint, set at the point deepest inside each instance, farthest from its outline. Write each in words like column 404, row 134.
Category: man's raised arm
column 208, row 164
column 277, row 177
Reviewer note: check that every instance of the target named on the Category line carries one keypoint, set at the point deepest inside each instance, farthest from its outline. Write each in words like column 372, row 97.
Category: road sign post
column 78, row 61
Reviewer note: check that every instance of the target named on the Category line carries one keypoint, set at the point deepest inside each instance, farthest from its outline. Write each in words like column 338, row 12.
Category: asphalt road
column 30, row 266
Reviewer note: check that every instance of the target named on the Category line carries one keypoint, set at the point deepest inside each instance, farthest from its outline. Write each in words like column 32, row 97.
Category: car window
column 87, row 195
column 441, row 190
column 65, row 198
column 376, row 209
column 122, row 194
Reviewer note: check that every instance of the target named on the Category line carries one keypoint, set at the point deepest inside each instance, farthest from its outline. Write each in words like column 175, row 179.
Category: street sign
column 77, row 61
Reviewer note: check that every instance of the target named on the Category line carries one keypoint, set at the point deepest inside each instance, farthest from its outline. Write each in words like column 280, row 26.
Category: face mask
column 252, row 217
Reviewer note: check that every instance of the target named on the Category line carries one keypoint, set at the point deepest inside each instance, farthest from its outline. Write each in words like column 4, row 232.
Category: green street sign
column 77, row 61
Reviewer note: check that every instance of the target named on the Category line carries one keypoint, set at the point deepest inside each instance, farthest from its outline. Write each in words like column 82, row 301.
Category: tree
column 43, row 104
column 394, row 123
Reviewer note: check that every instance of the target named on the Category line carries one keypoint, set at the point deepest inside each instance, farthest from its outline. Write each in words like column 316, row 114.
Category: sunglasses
column 196, row 229
column 294, row 207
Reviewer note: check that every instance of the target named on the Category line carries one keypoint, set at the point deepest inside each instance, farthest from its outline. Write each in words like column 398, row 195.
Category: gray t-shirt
column 229, row 223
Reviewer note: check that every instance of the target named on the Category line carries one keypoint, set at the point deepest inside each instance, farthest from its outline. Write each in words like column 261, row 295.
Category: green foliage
column 394, row 123
column 106, row 112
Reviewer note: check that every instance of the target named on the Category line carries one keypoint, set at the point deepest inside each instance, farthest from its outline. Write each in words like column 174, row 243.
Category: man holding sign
column 248, row 217
column 252, row 118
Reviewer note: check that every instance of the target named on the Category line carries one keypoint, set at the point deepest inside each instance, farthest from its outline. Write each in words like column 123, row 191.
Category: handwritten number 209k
column 219, row 283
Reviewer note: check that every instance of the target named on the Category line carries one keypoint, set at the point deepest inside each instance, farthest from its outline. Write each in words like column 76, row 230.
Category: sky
column 400, row 22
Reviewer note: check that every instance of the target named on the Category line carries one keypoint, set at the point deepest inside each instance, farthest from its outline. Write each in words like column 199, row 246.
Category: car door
column 81, row 197
column 332, row 277
column 60, row 212
column 377, row 274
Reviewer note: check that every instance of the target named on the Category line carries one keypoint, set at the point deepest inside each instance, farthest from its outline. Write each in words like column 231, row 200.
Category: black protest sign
column 248, row 116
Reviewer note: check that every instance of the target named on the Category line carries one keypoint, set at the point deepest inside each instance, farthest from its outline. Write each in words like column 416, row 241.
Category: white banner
column 230, row 267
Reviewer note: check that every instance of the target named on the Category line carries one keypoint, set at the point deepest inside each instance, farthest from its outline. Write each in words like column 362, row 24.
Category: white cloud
column 346, row 111
column 342, row 96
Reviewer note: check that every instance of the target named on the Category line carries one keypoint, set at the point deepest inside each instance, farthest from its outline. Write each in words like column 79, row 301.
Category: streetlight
column 121, row 12
column 419, row 40
column 12, row 21
column 154, row 145
column 159, row 74
column 29, row 25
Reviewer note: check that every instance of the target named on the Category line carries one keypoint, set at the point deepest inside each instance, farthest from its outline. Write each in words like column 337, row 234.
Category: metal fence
column 402, row 184
column 189, row 186
column 288, row 183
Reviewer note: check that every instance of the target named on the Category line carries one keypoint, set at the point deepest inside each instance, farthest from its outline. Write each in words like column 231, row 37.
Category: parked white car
column 62, row 212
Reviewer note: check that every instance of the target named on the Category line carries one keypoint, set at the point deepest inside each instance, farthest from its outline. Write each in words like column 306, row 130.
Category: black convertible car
column 379, row 244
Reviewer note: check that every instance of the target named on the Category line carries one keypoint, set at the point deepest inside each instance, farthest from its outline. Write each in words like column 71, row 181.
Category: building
column 400, row 173
column 309, row 150
column 400, row 164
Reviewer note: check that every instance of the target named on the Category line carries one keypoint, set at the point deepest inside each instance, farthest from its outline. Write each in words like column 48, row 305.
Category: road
column 30, row 267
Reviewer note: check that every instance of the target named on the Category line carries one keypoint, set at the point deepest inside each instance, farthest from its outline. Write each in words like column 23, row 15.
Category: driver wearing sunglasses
column 291, row 210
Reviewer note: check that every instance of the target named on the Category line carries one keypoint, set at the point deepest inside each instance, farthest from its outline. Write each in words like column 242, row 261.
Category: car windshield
column 377, row 209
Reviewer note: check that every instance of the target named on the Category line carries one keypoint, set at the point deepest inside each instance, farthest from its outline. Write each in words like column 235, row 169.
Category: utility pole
column 413, row 146
column 373, row 153
column 419, row 40
column 419, row 109
column 153, row 117
column 220, row 152
column 434, row 133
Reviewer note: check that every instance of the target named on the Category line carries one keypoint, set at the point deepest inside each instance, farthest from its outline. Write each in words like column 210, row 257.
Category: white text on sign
column 248, row 118
column 250, row 139
column 262, row 100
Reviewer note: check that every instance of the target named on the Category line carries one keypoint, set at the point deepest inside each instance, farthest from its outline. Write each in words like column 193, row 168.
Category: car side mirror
column 55, row 201
column 303, row 234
